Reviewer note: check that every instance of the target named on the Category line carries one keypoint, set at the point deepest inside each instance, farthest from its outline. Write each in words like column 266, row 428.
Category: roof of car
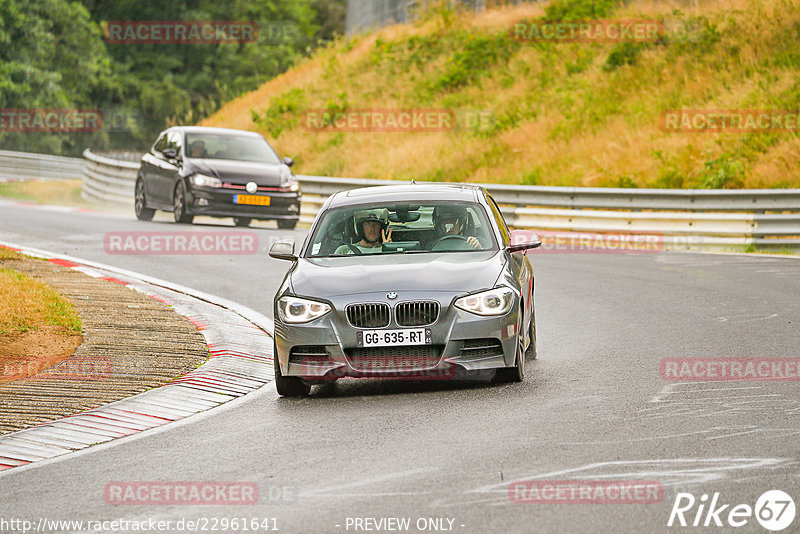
column 209, row 129
column 404, row 192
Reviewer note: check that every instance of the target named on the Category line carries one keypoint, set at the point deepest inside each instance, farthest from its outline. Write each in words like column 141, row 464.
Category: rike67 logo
column 774, row 510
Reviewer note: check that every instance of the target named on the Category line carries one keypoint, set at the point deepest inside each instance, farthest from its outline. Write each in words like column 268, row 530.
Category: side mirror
column 283, row 250
column 288, row 161
column 524, row 240
column 170, row 153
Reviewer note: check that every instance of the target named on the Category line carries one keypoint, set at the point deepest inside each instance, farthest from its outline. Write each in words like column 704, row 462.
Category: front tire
column 143, row 213
column 179, row 205
column 288, row 386
column 287, row 224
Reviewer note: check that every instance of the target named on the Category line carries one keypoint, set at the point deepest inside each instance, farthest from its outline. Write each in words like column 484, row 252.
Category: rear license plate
column 253, row 200
column 394, row 338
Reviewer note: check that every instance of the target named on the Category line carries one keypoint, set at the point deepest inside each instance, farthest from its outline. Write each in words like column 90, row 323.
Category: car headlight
column 203, row 180
column 290, row 186
column 297, row 310
column 497, row 301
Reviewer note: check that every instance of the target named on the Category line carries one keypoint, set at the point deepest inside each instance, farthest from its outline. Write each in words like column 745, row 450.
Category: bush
column 473, row 59
column 282, row 113
column 578, row 10
column 624, row 53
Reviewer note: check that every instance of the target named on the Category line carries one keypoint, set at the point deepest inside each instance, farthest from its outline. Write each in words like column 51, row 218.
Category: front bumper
column 327, row 348
column 218, row 202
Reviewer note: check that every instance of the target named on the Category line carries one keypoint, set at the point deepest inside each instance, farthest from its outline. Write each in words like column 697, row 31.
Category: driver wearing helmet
column 452, row 220
column 370, row 226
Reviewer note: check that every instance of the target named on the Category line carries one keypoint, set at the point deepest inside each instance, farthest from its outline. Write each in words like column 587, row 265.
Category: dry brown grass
column 27, row 304
column 557, row 142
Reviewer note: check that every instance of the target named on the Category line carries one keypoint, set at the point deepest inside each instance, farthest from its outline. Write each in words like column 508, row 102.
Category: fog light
column 202, row 202
column 293, row 207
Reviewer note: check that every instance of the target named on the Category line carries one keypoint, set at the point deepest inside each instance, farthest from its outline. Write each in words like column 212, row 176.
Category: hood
column 453, row 272
column 241, row 172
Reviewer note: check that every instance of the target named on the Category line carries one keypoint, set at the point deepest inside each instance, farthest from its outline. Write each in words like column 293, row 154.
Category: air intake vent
column 481, row 348
column 368, row 315
column 416, row 313
column 309, row 354
column 394, row 358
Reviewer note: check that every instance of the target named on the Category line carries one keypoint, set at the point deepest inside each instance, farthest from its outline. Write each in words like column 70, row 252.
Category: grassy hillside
column 584, row 114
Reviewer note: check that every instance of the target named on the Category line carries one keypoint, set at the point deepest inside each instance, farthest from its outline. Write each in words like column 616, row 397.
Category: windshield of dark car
column 410, row 230
column 227, row 146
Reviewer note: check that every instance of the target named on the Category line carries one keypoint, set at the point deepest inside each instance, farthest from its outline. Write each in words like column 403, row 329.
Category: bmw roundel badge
column 392, row 295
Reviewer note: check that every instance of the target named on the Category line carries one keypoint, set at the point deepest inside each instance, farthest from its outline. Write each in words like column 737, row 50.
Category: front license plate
column 253, row 200
column 392, row 338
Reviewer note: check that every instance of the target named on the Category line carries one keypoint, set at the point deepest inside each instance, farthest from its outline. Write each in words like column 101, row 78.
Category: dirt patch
column 28, row 353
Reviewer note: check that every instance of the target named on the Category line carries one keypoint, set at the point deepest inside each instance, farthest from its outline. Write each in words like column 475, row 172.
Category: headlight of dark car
column 497, row 301
column 296, row 310
column 203, row 180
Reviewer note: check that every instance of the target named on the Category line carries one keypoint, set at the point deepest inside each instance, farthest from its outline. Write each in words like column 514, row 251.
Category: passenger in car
column 453, row 220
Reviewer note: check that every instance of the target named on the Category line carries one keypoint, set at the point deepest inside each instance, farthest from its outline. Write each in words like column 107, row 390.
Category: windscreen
column 234, row 147
column 402, row 228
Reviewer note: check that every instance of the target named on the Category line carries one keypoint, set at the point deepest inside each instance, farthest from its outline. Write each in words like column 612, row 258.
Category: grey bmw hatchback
column 417, row 281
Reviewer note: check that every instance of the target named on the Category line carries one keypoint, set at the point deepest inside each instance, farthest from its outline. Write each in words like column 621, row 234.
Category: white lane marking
column 746, row 318
column 751, row 431
column 670, row 472
column 662, row 437
column 368, row 481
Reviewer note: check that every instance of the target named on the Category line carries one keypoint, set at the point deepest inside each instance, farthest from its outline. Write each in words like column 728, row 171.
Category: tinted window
column 413, row 228
column 161, row 144
column 174, row 141
column 230, row 146
column 501, row 223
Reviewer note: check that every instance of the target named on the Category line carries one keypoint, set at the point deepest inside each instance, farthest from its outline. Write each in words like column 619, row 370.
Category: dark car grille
column 309, row 355
column 416, row 313
column 479, row 348
column 394, row 358
column 368, row 315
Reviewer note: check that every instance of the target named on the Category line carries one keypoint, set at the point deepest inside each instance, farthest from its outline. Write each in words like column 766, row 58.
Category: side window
column 501, row 223
column 174, row 141
column 161, row 144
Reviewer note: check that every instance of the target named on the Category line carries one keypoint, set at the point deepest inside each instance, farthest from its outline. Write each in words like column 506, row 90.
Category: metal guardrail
column 15, row 166
column 686, row 218
column 750, row 200
column 110, row 177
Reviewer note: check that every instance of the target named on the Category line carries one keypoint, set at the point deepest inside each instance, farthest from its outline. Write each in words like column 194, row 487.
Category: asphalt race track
column 594, row 405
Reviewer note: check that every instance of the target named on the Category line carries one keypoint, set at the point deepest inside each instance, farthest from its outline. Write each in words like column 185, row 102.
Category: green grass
column 29, row 304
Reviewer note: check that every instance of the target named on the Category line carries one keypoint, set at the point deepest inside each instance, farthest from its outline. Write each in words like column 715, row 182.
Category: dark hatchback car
column 218, row 172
